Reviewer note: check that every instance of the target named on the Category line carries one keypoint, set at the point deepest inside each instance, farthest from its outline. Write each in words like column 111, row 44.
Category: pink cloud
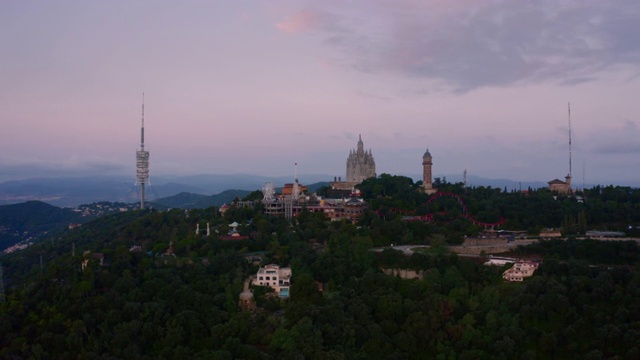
column 301, row 21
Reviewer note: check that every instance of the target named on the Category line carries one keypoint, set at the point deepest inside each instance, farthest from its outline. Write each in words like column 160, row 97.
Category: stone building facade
column 520, row 270
column 561, row 187
column 360, row 164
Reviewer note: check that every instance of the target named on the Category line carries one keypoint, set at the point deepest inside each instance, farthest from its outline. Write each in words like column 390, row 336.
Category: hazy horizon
column 254, row 87
column 308, row 178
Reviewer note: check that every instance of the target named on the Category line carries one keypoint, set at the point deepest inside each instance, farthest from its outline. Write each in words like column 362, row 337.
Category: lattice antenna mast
column 142, row 162
column 583, row 173
column 569, row 113
column 142, row 128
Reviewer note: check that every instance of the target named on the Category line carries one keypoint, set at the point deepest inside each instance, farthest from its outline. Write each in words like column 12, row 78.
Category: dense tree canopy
column 178, row 297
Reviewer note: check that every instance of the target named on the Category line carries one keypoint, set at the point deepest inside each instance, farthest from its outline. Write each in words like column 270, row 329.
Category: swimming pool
column 284, row 292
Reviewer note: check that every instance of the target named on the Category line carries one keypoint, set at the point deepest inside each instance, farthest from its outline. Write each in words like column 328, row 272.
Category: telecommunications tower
column 568, row 177
column 142, row 162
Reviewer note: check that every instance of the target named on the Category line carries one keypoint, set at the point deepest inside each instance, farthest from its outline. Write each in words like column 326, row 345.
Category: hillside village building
column 520, row 270
column 349, row 209
column 288, row 189
column 293, row 200
column 279, row 279
column 561, row 187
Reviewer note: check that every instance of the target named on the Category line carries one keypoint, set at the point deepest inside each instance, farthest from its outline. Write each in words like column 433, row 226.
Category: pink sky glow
column 253, row 87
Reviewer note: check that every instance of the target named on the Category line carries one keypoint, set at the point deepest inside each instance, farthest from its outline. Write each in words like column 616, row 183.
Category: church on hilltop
column 360, row 164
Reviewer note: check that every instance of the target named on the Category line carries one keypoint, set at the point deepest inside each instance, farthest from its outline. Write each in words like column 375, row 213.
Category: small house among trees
column 520, row 270
column 279, row 279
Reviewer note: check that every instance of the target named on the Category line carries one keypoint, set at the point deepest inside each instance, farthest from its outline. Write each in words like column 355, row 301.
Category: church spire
column 360, row 163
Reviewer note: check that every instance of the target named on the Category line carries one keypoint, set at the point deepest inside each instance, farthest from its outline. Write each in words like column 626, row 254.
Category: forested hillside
column 186, row 200
column 391, row 198
column 583, row 302
column 32, row 219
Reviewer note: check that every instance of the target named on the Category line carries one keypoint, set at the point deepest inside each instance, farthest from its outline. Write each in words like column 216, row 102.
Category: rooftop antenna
column 583, row 172
column 296, row 187
column 142, row 162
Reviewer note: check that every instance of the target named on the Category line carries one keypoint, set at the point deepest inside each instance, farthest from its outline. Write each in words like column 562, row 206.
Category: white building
column 500, row 261
column 279, row 279
column 520, row 270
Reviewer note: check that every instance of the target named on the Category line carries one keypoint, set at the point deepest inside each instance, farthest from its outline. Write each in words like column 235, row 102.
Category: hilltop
column 148, row 276
column 73, row 191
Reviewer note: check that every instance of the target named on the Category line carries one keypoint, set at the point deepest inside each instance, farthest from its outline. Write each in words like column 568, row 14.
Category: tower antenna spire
column 142, row 129
column 569, row 113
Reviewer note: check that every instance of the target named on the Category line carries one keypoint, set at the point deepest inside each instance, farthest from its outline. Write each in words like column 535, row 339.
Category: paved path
column 407, row 249
column 470, row 248
column 248, row 282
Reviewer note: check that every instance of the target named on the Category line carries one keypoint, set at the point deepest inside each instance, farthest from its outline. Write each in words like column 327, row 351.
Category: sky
column 256, row 86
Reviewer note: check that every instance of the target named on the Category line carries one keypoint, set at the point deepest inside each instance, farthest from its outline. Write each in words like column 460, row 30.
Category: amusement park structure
column 465, row 212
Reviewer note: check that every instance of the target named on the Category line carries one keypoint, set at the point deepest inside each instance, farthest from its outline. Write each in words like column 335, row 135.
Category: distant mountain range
column 32, row 220
column 73, row 191
column 202, row 189
column 188, row 200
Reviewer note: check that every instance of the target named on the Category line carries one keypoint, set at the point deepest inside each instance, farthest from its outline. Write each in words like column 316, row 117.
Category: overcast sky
column 255, row 86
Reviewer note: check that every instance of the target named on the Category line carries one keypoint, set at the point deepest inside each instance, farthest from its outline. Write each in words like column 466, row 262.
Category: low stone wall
column 477, row 250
